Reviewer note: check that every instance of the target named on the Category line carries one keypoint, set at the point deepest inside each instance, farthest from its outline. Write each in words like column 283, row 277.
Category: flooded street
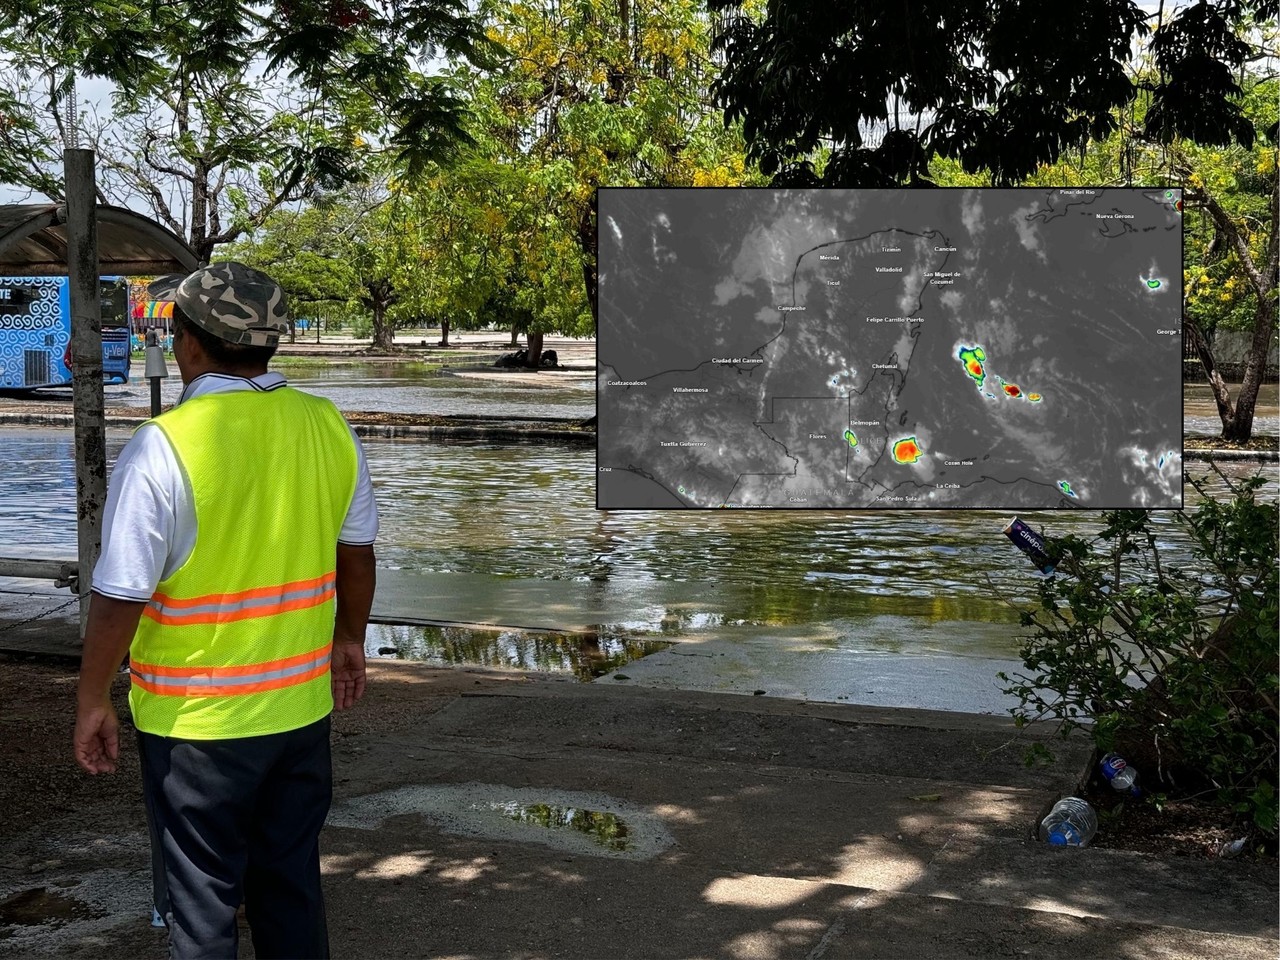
column 751, row 587
column 1200, row 413
column 528, row 512
column 403, row 387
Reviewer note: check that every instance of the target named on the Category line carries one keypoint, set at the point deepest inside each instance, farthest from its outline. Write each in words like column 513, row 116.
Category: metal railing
column 64, row 573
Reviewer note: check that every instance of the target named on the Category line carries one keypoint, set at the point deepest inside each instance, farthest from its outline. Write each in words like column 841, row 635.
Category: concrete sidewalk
column 504, row 815
column 796, row 830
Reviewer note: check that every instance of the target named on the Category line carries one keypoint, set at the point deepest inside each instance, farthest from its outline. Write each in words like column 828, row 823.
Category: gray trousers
column 239, row 821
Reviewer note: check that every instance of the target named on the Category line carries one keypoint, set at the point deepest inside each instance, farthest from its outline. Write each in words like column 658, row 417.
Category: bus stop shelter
column 34, row 241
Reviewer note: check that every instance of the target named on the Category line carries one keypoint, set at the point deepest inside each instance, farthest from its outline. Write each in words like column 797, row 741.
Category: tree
column 208, row 154
column 347, row 247
column 300, row 250
column 1230, row 201
column 1007, row 92
column 1239, row 247
column 198, row 69
column 598, row 92
column 470, row 217
column 1000, row 85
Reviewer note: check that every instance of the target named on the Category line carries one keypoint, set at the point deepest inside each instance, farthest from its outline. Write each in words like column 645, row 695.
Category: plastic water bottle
column 1122, row 777
column 1071, row 823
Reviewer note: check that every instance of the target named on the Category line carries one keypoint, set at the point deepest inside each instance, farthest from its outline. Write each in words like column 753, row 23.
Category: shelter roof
column 33, row 242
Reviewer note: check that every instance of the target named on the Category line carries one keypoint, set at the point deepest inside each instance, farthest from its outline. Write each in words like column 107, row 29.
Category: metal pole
column 86, row 365
column 156, row 369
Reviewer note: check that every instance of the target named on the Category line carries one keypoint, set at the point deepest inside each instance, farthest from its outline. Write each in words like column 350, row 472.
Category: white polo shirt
column 149, row 523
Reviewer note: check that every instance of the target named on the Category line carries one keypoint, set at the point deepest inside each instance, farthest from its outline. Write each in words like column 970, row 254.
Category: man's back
column 249, row 611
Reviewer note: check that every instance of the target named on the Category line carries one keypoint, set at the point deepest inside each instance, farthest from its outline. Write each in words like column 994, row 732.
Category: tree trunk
column 1264, row 322
column 515, row 336
column 1221, row 395
column 382, row 339
column 380, row 296
column 202, row 243
column 444, row 332
column 534, row 356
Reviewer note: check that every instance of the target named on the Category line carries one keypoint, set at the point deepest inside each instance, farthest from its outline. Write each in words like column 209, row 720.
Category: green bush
column 361, row 326
column 1176, row 668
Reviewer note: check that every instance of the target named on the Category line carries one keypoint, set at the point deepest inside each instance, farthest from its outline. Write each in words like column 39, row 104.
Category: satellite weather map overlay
column 883, row 349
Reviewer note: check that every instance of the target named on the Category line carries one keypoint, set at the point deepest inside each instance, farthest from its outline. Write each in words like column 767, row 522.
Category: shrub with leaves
column 1175, row 665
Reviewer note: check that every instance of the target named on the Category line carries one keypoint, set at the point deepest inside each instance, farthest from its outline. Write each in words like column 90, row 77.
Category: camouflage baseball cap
column 230, row 300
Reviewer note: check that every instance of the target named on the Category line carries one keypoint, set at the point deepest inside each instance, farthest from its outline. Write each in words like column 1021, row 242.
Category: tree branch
column 149, row 140
column 1222, row 220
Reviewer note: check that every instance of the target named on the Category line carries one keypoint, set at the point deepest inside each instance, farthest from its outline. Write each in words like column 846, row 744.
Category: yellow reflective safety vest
column 236, row 642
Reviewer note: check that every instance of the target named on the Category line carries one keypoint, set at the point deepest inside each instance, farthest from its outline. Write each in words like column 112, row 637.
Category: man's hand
column 347, row 673
column 97, row 738
column 111, row 626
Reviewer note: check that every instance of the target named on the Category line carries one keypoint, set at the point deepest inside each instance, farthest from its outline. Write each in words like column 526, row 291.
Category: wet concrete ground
column 771, row 829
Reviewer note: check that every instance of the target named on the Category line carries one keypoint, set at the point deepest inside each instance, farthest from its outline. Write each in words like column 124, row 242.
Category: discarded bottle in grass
column 1122, row 777
column 1030, row 543
column 1071, row 823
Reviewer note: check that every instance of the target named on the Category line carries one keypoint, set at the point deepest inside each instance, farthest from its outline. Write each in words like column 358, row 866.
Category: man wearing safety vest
column 237, row 571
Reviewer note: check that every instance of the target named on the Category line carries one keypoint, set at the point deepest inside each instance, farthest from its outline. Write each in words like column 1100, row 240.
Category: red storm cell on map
column 1012, row 389
column 907, row 450
column 972, row 358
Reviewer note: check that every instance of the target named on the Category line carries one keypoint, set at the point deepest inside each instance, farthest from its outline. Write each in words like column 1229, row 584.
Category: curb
column 504, row 432
column 507, row 434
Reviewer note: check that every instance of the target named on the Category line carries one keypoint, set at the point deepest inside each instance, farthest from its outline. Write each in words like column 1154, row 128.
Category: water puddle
column 41, row 906
column 585, row 655
column 592, row 824
column 607, row 829
column 74, row 908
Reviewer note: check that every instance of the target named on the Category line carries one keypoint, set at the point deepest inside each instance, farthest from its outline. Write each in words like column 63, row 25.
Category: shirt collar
column 229, row 383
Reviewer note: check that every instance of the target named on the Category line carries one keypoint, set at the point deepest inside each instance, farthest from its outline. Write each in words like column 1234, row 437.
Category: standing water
column 828, row 585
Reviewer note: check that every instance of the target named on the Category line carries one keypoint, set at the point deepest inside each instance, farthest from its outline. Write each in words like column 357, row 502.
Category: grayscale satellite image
column 1004, row 348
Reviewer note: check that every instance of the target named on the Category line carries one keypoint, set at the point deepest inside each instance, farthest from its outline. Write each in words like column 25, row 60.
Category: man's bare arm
column 110, row 629
column 356, row 580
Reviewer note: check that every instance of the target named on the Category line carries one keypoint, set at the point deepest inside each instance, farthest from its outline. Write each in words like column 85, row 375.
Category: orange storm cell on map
column 1034, row 397
column 1012, row 389
column 907, row 451
column 975, row 368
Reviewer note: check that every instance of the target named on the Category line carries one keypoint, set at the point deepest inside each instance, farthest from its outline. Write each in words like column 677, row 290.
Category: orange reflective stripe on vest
column 228, row 607
column 231, row 681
